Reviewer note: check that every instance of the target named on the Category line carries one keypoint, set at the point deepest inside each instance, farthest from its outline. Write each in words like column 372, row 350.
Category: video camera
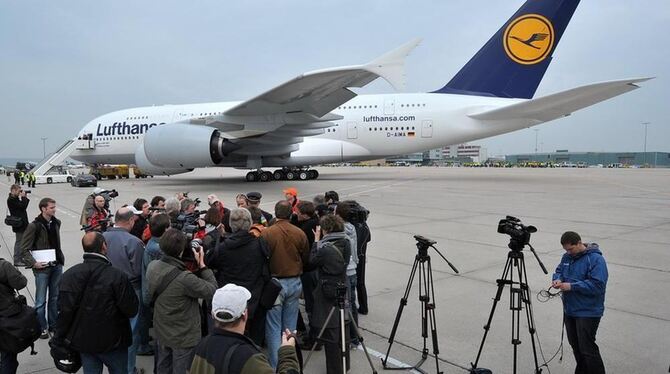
column 102, row 225
column 518, row 232
column 188, row 223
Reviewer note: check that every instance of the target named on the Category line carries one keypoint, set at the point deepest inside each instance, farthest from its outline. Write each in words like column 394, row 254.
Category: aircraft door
column 427, row 129
column 352, row 130
column 389, row 106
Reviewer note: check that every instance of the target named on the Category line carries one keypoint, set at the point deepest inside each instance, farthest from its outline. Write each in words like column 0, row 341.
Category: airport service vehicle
column 84, row 180
column 55, row 175
column 116, row 171
column 316, row 119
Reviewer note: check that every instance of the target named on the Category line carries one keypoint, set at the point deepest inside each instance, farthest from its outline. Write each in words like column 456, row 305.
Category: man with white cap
column 227, row 350
column 125, row 252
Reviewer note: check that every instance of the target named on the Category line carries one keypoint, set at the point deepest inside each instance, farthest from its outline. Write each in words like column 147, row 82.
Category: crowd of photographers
column 212, row 280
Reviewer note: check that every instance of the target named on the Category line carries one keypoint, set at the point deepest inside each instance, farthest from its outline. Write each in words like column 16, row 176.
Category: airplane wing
column 560, row 104
column 318, row 92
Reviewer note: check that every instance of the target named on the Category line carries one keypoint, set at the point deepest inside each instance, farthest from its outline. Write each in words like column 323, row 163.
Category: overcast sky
column 62, row 63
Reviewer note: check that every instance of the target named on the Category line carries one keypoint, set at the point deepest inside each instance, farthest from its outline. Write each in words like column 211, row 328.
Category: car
column 83, row 180
column 56, row 174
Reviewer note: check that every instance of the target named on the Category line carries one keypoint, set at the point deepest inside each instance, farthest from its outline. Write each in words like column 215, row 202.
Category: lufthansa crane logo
column 529, row 39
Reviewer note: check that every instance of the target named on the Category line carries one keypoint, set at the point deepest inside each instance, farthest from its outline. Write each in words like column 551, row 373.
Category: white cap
column 230, row 299
column 98, row 190
column 132, row 209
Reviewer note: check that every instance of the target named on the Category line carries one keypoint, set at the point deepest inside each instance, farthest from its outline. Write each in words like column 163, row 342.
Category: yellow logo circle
column 529, row 39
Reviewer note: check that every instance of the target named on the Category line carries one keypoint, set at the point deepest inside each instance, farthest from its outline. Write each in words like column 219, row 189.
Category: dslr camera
column 518, row 232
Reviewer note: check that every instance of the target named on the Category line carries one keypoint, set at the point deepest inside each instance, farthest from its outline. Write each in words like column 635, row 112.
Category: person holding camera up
column 17, row 204
column 582, row 277
column 98, row 216
column 330, row 256
column 44, row 233
column 174, row 292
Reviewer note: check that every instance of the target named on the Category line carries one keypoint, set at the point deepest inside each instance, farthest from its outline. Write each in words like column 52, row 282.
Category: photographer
column 330, row 256
column 343, row 210
column 44, row 233
column 175, row 293
column 358, row 218
column 97, row 216
column 90, row 202
column 582, row 277
column 17, row 204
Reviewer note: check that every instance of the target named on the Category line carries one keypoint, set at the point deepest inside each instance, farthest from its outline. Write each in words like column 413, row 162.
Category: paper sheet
column 44, row 255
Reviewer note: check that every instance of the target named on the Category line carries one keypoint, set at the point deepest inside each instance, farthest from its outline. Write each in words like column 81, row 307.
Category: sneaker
column 45, row 334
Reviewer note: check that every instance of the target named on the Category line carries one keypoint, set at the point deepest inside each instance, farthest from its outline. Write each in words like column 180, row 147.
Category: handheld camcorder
column 518, row 232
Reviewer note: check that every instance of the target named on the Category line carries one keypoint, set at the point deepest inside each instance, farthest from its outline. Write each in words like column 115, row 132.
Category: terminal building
column 619, row 159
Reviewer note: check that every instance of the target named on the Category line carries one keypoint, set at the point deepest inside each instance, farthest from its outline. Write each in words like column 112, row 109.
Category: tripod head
column 341, row 295
column 423, row 243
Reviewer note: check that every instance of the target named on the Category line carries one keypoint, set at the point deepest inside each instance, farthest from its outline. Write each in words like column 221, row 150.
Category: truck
column 116, row 171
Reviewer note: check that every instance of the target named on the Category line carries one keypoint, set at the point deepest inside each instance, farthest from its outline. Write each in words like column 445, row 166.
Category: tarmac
column 625, row 211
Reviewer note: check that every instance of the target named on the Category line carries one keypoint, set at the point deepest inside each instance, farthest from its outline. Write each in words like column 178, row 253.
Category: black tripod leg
column 501, row 285
column 403, row 302
column 318, row 338
column 431, row 316
column 362, row 341
column 526, row 298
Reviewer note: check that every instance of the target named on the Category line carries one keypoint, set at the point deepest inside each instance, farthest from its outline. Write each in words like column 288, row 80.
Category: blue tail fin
column 513, row 62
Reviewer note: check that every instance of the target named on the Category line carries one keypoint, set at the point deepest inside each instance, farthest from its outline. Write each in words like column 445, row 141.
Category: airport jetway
column 57, row 158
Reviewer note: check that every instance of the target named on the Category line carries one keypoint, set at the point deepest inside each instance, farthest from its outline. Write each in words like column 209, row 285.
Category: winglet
column 391, row 65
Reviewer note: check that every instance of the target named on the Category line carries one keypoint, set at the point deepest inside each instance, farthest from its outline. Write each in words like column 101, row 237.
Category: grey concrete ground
column 624, row 210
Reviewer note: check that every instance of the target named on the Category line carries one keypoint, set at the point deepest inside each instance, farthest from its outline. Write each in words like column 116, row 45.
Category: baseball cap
column 132, row 209
column 291, row 191
column 98, row 190
column 229, row 302
column 254, row 196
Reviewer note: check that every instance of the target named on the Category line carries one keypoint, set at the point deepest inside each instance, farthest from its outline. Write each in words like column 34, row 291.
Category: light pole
column 44, row 147
column 645, row 143
column 536, row 131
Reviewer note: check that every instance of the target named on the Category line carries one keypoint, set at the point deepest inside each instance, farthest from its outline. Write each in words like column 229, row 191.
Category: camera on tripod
column 518, row 232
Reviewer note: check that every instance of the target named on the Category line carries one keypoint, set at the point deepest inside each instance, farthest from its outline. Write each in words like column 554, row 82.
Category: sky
column 63, row 63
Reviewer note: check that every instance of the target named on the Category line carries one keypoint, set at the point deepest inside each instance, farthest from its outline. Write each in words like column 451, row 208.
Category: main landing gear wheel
column 313, row 174
column 251, row 176
column 265, row 176
column 303, row 175
column 278, row 175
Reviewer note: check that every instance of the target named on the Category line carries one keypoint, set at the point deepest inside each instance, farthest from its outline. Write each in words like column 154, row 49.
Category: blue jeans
column 283, row 315
column 116, row 361
column 47, row 279
column 8, row 363
column 135, row 328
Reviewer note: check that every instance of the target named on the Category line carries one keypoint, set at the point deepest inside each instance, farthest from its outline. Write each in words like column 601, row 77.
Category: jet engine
column 148, row 168
column 184, row 147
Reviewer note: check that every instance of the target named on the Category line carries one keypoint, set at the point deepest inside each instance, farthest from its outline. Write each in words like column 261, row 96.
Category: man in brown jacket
column 289, row 250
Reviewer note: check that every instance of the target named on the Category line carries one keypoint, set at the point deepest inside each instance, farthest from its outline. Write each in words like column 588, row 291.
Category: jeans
column 354, row 311
column 361, row 290
column 283, row 315
column 8, row 363
column 47, row 279
column 173, row 360
column 17, row 248
column 116, row 361
column 581, row 333
column 135, row 329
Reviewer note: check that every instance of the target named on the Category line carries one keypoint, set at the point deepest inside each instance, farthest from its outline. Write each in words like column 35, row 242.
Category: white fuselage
column 373, row 126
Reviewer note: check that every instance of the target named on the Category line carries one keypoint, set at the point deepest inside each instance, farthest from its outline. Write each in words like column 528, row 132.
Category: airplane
column 315, row 118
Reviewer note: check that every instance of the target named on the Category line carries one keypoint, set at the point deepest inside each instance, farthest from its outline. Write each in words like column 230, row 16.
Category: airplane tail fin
column 513, row 62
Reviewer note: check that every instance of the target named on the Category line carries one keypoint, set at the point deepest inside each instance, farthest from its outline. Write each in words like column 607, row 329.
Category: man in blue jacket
column 582, row 278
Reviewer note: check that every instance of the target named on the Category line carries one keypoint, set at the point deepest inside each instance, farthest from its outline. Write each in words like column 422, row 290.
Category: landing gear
column 282, row 174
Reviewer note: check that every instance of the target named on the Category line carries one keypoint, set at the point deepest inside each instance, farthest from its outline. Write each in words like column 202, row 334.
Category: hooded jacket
column 587, row 274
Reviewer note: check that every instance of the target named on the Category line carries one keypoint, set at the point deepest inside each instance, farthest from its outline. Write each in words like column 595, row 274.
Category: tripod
column 340, row 306
column 519, row 297
column 426, row 294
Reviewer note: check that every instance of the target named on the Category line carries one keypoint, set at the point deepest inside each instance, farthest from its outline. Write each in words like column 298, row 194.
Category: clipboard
column 44, row 255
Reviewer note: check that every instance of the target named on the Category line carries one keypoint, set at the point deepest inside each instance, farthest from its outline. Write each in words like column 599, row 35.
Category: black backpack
column 19, row 327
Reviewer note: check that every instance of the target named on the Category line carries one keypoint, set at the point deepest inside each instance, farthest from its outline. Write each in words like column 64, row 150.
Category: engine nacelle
column 148, row 168
column 181, row 146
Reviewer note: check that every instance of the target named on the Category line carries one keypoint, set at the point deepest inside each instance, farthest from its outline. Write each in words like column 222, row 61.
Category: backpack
column 19, row 327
